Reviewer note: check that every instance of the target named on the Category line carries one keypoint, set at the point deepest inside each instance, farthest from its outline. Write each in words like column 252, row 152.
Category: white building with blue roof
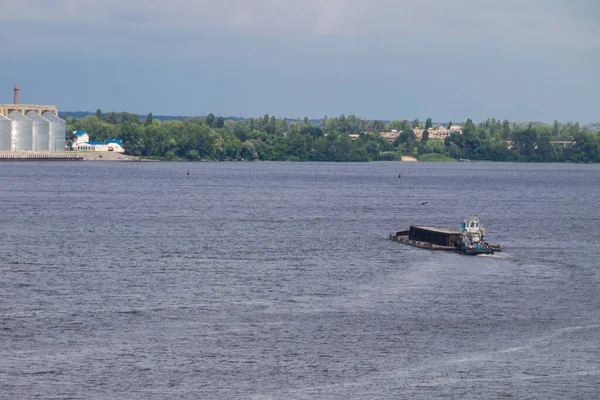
column 82, row 143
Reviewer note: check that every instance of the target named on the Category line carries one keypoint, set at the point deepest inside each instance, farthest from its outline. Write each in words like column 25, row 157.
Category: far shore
column 113, row 156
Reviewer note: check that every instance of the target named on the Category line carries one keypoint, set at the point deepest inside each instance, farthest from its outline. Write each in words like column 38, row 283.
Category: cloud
column 329, row 16
column 550, row 23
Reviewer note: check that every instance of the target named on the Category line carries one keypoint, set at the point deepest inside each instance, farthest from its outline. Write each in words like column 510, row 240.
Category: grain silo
column 5, row 128
column 33, row 127
column 41, row 132
column 57, row 132
column 22, row 131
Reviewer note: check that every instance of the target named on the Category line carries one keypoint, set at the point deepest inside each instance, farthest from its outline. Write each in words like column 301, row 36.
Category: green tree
column 210, row 120
column 373, row 150
column 455, row 145
column 544, row 148
column 219, row 149
column 248, row 151
column 524, row 140
column 434, row 146
column 377, row 126
column 192, row 155
column 395, row 125
column 469, row 127
column 133, row 140
column 506, row 132
column 586, row 148
column 232, row 147
column 70, row 138
column 297, row 144
column 555, row 129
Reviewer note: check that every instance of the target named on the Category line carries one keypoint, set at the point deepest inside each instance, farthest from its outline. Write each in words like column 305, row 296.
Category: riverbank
column 18, row 156
column 64, row 156
column 107, row 156
column 434, row 157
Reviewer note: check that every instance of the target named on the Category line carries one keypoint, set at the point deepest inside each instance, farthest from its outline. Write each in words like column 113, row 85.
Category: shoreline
column 24, row 156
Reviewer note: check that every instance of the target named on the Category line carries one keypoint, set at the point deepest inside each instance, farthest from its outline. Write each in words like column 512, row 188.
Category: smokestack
column 16, row 94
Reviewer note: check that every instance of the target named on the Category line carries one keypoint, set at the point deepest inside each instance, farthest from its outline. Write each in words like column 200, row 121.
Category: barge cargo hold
column 427, row 237
column 434, row 235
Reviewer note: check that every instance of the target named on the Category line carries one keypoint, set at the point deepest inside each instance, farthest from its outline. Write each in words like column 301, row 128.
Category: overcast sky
column 383, row 59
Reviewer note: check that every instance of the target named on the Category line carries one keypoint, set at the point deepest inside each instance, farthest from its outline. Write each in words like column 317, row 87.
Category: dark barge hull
column 423, row 245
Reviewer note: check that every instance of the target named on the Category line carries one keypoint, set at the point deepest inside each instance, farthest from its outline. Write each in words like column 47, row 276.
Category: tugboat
column 472, row 238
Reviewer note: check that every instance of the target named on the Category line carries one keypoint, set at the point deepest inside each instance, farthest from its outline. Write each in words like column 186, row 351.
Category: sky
column 521, row 60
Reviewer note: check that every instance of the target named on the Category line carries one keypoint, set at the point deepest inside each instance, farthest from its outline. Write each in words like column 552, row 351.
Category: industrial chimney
column 16, row 94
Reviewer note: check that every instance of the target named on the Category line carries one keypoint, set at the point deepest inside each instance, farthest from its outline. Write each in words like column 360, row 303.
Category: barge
column 468, row 240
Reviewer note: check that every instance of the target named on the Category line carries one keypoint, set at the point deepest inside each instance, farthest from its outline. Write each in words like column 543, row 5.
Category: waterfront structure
column 56, row 136
column 40, row 139
column 5, row 134
column 82, row 143
column 35, row 128
column 21, row 132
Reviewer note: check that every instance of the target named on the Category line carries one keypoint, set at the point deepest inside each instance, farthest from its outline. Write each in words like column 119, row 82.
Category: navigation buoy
column 188, row 172
column 399, row 175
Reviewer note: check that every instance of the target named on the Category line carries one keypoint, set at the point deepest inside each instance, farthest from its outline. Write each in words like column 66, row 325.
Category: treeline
column 344, row 138
column 501, row 141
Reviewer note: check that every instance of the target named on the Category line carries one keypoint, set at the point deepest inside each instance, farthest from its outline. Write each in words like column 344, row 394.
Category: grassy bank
column 434, row 157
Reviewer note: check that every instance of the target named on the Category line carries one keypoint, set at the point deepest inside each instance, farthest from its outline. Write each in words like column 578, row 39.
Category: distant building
column 82, row 138
column 563, row 143
column 440, row 132
column 418, row 133
column 390, row 136
column 82, row 143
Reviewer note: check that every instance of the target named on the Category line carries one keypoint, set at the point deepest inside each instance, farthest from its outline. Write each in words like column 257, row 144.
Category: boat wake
column 497, row 256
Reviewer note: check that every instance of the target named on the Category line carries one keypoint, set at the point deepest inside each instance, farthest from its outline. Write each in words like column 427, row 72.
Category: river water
column 278, row 281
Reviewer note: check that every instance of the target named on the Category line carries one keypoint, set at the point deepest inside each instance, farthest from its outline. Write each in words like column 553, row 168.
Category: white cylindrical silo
column 57, row 136
column 5, row 128
column 41, row 132
column 22, row 132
